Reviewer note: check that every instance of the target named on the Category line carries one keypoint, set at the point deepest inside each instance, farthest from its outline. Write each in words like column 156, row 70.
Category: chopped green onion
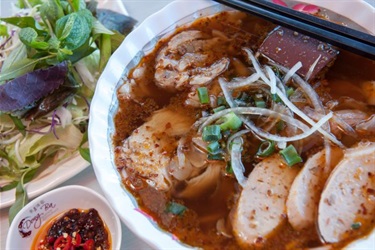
column 203, row 95
column 289, row 91
column 231, row 121
column 266, row 148
column 175, row 208
column 290, row 155
column 211, row 133
column 220, row 108
column 213, row 148
column 276, row 98
column 243, row 99
column 229, row 168
column 221, row 101
column 280, row 125
column 259, row 102
column 356, row 225
column 215, row 157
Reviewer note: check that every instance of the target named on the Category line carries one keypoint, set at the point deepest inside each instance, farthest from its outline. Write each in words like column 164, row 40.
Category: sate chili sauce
column 74, row 229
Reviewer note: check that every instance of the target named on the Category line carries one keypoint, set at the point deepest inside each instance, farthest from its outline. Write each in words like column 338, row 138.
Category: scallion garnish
column 203, row 95
column 211, row 133
column 216, row 157
column 213, row 148
column 175, row 208
column 289, row 91
column 266, row 148
column 280, row 125
column 290, row 155
column 220, row 108
column 229, row 168
column 259, row 102
column 276, row 98
column 231, row 121
column 221, row 101
column 356, row 225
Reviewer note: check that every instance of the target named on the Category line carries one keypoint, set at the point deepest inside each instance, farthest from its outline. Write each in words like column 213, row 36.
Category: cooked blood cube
column 287, row 47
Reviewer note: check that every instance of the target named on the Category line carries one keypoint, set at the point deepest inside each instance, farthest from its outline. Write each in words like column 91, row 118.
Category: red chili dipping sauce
column 74, row 229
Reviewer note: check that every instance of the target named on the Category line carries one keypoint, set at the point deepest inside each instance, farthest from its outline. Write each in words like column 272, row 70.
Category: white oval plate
column 56, row 174
column 30, row 219
column 101, row 128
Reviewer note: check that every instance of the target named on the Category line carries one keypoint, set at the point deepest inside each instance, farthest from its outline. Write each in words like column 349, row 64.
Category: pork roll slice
column 347, row 204
column 261, row 207
column 304, row 196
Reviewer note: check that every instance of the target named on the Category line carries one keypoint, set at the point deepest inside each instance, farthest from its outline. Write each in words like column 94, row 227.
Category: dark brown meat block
column 287, row 47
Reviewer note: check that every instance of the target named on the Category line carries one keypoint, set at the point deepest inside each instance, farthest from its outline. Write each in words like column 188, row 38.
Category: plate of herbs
column 51, row 55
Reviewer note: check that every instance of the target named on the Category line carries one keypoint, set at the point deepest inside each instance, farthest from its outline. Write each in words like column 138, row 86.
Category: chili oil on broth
column 198, row 224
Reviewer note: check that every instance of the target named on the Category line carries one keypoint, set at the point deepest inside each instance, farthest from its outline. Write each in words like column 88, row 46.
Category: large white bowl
column 104, row 105
column 32, row 217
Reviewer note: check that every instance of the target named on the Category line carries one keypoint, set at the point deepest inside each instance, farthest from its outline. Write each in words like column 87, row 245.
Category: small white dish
column 32, row 217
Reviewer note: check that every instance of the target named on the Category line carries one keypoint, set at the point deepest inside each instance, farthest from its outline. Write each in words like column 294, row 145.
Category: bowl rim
column 70, row 189
column 121, row 200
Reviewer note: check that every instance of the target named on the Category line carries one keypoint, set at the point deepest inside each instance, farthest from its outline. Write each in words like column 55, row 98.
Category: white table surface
column 139, row 9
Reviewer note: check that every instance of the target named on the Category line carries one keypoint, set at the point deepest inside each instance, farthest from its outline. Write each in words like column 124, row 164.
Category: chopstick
column 338, row 35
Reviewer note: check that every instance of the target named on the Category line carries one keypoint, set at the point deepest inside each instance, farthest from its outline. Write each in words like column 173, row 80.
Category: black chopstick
column 338, row 35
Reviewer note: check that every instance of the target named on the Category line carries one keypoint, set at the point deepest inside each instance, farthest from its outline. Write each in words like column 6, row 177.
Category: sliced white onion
column 256, row 65
column 227, row 93
column 292, row 71
column 272, row 81
column 240, row 82
column 236, row 162
column 311, row 69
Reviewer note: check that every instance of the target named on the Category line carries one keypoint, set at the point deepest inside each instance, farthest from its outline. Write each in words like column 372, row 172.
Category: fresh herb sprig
column 64, row 30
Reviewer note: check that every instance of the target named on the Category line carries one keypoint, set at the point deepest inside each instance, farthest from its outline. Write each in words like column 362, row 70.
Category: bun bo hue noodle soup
column 236, row 134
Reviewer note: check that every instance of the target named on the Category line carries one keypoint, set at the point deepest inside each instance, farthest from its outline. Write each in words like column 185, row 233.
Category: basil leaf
column 116, row 40
column 9, row 186
column 15, row 56
column 105, row 51
column 80, row 53
column 21, row 194
column 85, row 153
column 99, row 28
column 29, row 37
column 53, row 10
column 74, row 29
column 3, row 30
column 19, row 68
column 23, row 22
column 22, row 3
